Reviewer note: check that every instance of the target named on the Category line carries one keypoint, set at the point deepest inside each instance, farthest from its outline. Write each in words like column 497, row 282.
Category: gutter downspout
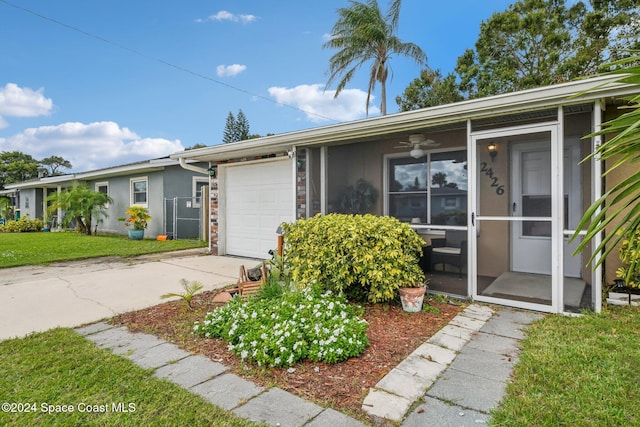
column 184, row 165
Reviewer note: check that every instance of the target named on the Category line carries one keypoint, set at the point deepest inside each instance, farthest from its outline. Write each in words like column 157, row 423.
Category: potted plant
column 413, row 297
column 137, row 217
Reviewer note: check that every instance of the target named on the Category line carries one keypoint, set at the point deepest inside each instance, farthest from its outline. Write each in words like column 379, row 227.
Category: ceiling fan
column 417, row 141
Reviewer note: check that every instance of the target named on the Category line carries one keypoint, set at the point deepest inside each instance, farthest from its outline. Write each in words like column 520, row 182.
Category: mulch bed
column 393, row 335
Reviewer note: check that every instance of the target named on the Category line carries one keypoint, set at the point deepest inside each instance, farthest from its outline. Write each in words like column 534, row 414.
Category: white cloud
column 22, row 102
column 230, row 70
column 320, row 105
column 89, row 146
column 223, row 15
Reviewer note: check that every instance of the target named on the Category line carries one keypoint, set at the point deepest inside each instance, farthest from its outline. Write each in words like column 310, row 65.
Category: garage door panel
column 259, row 197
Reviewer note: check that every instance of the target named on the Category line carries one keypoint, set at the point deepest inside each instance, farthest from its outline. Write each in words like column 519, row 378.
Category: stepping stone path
column 213, row 381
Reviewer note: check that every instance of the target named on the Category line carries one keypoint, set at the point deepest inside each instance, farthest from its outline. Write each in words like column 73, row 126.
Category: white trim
column 596, row 193
column 99, row 184
column 480, row 108
column 473, row 229
column 553, row 128
column 557, row 214
column 131, row 192
column 194, row 189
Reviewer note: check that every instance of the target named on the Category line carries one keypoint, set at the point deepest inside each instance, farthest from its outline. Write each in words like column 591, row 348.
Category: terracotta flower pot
column 412, row 298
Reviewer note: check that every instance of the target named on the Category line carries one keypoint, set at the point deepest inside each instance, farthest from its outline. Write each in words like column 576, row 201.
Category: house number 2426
column 495, row 182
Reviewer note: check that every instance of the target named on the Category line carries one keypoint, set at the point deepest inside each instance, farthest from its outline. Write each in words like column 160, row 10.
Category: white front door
column 531, row 197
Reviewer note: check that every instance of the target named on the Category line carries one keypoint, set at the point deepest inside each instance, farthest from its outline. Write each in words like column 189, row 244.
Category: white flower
column 244, row 354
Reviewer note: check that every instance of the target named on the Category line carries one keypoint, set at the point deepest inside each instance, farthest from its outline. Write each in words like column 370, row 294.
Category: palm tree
column 362, row 34
column 620, row 205
column 80, row 203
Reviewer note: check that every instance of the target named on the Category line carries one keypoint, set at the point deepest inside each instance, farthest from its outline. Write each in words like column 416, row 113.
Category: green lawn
column 581, row 371
column 42, row 248
column 59, row 370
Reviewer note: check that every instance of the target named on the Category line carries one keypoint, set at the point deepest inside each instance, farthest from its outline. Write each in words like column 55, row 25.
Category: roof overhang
column 66, row 180
column 572, row 93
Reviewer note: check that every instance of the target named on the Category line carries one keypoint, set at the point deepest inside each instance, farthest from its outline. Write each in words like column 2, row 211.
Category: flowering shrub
column 302, row 324
column 367, row 257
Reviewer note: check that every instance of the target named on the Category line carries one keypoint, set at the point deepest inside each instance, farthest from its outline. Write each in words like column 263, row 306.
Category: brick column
column 301, row 183
column 213, row 213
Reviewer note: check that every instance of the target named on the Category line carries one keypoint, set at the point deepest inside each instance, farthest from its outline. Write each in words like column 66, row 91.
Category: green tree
column 230, row 130
column 439, row 179
column 195, row 146
column 620, row 205
column 54, row 163
column 242, row 125
column 16, row 166
column 542, row 42
column 519, row 48
column 428, row 90
column 236, row 128
column 363, row 35
column 79, row 203
column 606, row 31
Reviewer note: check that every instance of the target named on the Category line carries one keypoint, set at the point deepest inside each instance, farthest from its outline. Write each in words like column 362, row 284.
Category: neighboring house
column 517, row 206
column 172, row 194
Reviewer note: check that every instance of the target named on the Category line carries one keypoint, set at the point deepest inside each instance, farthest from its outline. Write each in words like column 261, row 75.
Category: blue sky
column 135, row 80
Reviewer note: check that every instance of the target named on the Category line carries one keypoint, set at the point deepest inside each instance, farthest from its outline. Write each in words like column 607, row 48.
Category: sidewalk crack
column 75, row 293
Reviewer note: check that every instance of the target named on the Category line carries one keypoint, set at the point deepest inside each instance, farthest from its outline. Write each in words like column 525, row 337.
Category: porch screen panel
column 429, row 190
column 448, row 171
column 408, row 189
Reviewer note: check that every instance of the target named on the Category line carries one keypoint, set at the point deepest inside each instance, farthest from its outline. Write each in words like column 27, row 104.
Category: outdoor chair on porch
column 450, row 249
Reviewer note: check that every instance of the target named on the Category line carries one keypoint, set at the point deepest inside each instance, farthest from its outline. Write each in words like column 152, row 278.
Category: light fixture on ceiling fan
column 418, row 142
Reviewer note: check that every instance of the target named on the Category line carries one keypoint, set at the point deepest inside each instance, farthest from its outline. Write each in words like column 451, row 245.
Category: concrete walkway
column 457, row 376
column 454, row 379
column 213, row 381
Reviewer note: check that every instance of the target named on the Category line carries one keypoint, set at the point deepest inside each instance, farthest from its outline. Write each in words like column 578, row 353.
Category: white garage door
column 259, row 197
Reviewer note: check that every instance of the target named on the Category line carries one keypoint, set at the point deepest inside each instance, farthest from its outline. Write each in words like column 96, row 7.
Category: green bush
column 302, row 324
column 22, row 225
column 361, row 255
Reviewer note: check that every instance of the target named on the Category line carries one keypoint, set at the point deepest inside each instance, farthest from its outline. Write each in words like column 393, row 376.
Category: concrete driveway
column 37, row 298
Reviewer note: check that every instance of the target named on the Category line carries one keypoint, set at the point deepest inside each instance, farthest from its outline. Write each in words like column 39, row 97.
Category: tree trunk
column 383, row 97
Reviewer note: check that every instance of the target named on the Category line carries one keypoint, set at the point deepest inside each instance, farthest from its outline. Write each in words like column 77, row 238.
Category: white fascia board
column 481, row 108
column 49, row 182
column 148, row 166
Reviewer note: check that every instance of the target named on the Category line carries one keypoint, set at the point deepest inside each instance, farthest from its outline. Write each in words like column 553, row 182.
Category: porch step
column 619, row 298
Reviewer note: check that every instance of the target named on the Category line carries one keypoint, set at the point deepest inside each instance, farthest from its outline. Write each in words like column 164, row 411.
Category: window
column 102, row 187
column 196, row 190
column 428, row 190
column 139, row 191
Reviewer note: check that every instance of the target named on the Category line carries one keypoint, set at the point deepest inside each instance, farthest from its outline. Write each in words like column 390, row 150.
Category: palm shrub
column 620, row 205
column 366, row 256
